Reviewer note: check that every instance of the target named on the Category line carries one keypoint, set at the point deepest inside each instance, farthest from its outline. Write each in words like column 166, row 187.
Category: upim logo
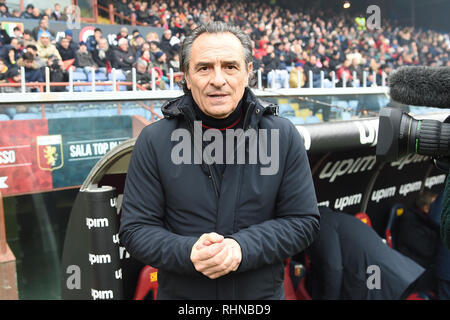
column 343, row 202
column 378, row 195
column 103, row 295
column 431, row 181
column 99, row 258
column 410, row 187
column 347, row 166
column 97, row 223
column 408, row 159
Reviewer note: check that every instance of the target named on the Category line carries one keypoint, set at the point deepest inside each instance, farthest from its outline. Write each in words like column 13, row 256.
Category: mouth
column 217, row 96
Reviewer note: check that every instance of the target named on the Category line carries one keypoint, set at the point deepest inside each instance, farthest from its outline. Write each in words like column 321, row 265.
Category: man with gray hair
column 214, row 220
column 123, row 57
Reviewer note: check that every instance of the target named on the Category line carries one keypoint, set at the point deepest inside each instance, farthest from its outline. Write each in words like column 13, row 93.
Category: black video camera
column 399, row 133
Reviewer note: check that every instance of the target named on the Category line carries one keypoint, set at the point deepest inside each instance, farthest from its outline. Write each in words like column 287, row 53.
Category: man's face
column 124, row 46
column 141, row 68
column 217, row 74
column 65, row 43
column 45, row 41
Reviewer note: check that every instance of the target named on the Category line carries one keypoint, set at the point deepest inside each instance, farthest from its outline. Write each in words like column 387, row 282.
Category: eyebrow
column 206, row 64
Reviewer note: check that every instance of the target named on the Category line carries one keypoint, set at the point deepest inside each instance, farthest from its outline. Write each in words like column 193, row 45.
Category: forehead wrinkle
column 223, row 46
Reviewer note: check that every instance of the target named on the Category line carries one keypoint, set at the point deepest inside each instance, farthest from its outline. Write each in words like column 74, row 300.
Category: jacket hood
column 178, row 107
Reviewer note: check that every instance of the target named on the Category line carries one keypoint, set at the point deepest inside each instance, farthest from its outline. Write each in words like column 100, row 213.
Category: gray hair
column 212, row 27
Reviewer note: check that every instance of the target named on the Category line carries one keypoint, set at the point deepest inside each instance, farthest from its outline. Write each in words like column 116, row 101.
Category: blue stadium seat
column 4, row 117
column 27, row 116
column 99, row 76
column 286, row 110
column 296, row 120
column 79, row 76
column 312, row 119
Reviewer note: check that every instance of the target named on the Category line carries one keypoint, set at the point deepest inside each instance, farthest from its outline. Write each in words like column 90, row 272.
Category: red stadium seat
column 148, row 280
column 396, row 212
column 288, row 286
column 364, row 218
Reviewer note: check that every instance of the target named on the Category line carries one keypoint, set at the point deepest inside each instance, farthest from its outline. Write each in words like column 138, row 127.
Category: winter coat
column 167, row 207
column 345, row 257
column 123, row 60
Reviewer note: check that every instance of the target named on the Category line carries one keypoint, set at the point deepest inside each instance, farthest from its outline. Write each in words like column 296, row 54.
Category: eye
column 231, row 67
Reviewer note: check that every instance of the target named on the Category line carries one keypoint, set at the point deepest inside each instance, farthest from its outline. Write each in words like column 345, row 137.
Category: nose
column 217, row 77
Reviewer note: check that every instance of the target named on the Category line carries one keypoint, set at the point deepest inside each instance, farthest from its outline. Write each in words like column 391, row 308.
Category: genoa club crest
column 50, row 152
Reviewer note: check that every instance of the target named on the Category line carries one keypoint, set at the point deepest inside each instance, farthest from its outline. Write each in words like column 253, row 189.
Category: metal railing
column 138, row 93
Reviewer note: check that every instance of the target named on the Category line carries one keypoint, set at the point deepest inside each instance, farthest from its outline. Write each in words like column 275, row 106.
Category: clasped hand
column 215, row 256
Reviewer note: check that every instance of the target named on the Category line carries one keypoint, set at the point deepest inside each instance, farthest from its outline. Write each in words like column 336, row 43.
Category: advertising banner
column 44, row 154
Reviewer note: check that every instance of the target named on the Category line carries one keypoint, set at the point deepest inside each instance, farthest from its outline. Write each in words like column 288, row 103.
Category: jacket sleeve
column 142, row 228
column 326, row 263
column 296, row 221
column 445, row 216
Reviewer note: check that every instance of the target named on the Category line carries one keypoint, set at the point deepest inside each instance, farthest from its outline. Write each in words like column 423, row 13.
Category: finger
column 220, row 264
column 208, row 239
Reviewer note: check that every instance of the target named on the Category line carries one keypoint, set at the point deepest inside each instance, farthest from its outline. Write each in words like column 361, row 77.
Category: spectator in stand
column 3, row 69
column 145, row 55
column 65, row 51
column 48, row 13
column 84, row 59
column 45, row 48
column 142, row 14
column 123, row 58
column 34, row 51
column 32, row 71
column 28, row 13
column 36, row 13
column 69, row 35
column 161, row 62
column 28, row 38
column 143, row 78
column 152, row 36
column 122, row 34
column 4, row 11
column 294, row 81
column 43, row 28
column 66, row 13
column 9, row 53
column 121, row 8
column 92, row 40
column 174, row 63
column 57, row 73
column 16, row 14
column 136, row 43
column 166, row 43
column 103, row 56
column 13, row 77
column 344, row 69
column 56, row 14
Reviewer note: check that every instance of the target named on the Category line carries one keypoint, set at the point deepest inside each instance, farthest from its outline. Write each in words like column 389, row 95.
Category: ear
column 188, row 81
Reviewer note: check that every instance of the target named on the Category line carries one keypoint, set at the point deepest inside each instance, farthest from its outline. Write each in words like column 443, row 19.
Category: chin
column 219, row 112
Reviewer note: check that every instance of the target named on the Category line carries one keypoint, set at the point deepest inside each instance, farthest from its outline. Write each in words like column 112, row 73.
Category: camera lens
column 400, row 134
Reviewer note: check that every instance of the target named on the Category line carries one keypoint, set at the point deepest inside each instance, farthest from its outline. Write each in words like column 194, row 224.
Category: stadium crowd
column 292, row 43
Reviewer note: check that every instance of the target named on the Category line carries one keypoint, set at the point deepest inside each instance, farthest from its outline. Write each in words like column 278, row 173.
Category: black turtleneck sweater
column 234, row 121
